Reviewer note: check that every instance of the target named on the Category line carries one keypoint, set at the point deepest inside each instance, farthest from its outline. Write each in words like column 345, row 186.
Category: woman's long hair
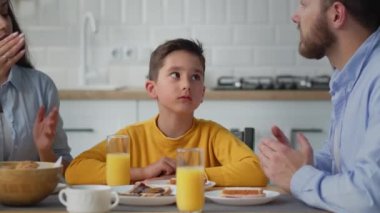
column 24, row 61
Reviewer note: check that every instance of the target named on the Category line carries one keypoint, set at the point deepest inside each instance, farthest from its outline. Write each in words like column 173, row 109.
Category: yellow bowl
column 23, row 187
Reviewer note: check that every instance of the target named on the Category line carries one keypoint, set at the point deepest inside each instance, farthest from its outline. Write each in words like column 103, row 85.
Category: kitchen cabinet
column 88, row 122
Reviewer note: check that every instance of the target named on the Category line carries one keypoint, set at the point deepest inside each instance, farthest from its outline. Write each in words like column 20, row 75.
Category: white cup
column 88, row 198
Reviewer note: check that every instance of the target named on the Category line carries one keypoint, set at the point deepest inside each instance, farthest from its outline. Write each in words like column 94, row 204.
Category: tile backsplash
column 240, row 37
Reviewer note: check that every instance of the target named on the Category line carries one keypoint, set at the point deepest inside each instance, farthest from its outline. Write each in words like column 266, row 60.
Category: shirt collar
column 346, row 78
column 15, row 76
column 193, row 126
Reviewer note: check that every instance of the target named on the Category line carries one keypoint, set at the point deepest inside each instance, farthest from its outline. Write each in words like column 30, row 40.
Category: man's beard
column 315, row 44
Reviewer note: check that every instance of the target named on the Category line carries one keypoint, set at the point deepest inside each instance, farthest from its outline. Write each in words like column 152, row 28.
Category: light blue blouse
column 21, row 96
column 346, row 176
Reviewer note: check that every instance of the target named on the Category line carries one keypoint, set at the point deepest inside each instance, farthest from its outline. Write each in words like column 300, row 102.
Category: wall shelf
column 130, row 94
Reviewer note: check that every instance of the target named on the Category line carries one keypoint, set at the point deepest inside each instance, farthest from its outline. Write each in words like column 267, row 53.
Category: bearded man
column 345, row 175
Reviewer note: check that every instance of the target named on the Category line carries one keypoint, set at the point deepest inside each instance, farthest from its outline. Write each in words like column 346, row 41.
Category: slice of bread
column 243, row 192
column 172, row 181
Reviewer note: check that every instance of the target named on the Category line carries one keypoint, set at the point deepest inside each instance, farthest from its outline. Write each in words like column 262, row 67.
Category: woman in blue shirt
column 26, row 133
column 345, row 175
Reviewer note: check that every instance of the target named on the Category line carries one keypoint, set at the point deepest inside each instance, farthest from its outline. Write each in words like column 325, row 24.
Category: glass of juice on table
column 190, row 180
column 118, row 160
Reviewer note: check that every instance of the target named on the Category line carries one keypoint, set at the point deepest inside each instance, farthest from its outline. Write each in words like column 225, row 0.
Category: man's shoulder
column 371, row 70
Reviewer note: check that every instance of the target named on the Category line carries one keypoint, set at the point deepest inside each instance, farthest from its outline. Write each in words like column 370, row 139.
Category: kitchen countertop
column 140, row 94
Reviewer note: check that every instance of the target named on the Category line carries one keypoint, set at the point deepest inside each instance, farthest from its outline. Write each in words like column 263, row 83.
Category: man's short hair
column 366, row 12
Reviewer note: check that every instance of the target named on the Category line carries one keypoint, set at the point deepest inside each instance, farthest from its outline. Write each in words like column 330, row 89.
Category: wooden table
column 284, row 203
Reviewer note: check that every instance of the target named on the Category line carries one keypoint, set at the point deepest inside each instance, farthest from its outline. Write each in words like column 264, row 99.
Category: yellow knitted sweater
column 228, row 161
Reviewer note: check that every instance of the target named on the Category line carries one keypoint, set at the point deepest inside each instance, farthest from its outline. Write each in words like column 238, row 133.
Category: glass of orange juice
column 118, row 160
column 190, row 180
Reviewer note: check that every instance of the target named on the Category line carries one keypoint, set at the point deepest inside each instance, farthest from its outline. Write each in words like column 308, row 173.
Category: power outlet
column 124, row 53
column 117, row 53
column 129, row 53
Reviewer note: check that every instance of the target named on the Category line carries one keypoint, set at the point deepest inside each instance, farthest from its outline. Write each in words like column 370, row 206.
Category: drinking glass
column 190, row 180
column 118, row 160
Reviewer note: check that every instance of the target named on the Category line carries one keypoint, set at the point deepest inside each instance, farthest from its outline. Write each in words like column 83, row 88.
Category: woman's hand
column 45, row 129
column 11, row 50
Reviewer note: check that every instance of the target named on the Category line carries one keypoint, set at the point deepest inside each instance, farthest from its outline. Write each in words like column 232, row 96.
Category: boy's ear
column 150, row 88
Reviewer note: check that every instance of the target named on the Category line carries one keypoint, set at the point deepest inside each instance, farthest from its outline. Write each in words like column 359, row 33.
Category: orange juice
column 117, row 169
column 190, row 188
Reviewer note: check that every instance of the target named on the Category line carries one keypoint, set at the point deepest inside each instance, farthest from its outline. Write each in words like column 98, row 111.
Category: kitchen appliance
column 320, row 82
column 280, row 82
column 247, row 136
column 229, row 83
column 251, row 83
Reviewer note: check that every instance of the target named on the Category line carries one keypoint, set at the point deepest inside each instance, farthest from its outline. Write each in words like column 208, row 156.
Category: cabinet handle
column 78, row 129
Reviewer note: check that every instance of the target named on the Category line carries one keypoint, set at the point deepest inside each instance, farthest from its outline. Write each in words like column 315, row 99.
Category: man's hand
column 280, row 161
column 45, row 129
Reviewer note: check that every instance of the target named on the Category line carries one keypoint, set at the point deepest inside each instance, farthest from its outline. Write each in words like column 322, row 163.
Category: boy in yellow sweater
column 176, row 81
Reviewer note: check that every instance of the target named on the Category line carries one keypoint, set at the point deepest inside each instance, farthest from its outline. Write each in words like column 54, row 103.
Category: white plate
column 208, row 184
column 216, row 197
column 59, row 187
column 144, row 201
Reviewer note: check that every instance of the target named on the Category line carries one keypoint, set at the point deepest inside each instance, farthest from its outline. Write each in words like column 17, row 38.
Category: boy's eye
column 175, row 74
column 196, row 77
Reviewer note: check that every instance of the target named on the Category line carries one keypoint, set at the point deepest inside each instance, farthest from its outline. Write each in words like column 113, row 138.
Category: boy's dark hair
column 24, row 60
column 366, row 12
column 159, row 54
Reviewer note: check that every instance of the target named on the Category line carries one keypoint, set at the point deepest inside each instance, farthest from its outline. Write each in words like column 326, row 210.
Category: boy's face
column 180, row 83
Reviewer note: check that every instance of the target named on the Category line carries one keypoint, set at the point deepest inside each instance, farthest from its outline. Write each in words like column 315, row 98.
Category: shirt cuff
column 301, row 180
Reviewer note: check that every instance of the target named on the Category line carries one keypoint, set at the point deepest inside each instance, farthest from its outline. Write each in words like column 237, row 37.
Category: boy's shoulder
column 142, row 124
column 137, row 127
column 203, row 123
column 213, row 130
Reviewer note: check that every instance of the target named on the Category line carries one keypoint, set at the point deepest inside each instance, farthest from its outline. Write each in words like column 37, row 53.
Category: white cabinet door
column 310, row 116
column 146, row 109
column 87, row 122
column 262, row 115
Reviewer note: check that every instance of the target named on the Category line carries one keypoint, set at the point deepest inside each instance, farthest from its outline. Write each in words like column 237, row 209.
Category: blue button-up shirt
column 21, row 96
column 346, row 174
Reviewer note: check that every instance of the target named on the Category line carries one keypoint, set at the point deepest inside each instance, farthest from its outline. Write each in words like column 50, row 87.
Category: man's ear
column 337, row 15
column 150, row 87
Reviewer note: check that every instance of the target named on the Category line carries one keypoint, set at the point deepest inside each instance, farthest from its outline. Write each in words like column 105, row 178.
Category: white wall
column 241, row 37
